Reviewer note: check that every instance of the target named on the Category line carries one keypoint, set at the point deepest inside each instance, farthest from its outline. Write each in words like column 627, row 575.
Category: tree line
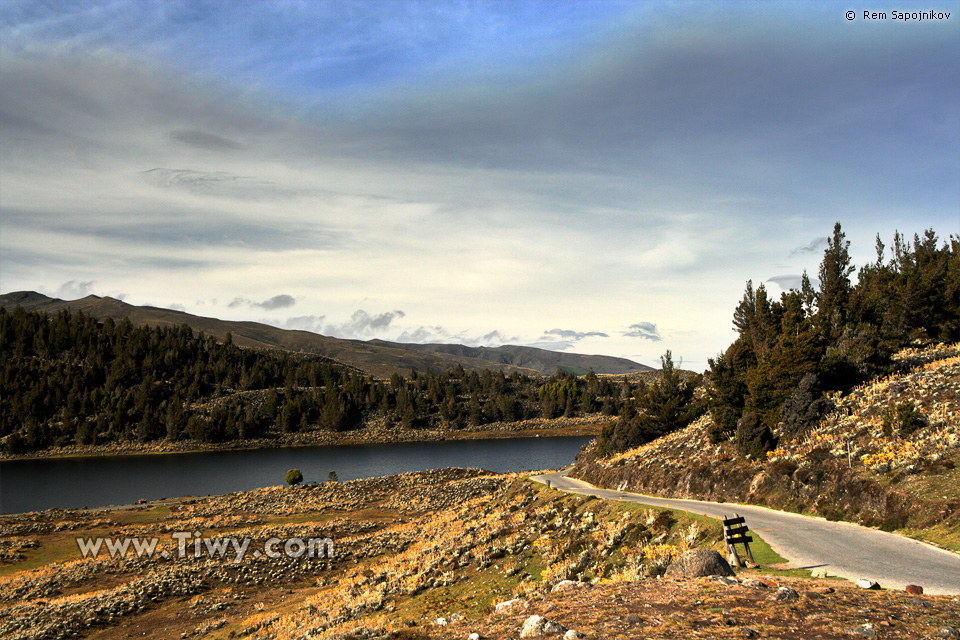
column 69, row 379
column 789, row 352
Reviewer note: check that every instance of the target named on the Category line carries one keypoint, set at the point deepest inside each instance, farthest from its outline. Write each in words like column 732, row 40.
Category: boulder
column 914, row 589
column 698, row 563
column 509, row 605
column 785, row 594
column 863, row 583
column 567, row 585
column 538, row 626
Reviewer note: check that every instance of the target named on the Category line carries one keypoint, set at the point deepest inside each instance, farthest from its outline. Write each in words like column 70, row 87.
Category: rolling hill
column 375, row 357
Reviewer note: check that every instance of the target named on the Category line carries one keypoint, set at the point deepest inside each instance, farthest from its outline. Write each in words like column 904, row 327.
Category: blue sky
column 593, row 176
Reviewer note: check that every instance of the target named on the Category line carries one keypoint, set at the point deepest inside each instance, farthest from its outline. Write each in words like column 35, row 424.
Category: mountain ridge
column 376, row 357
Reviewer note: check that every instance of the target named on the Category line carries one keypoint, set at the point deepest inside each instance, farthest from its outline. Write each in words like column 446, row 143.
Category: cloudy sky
column 601, row 177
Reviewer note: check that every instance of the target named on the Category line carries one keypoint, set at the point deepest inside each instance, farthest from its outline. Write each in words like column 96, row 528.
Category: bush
column 294, row 477
column 901, row 420
column 753, row 438
column 803, row 409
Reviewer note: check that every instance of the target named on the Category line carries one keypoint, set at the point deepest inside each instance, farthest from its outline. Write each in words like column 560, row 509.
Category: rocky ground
column 423, row 555
column 846, row 468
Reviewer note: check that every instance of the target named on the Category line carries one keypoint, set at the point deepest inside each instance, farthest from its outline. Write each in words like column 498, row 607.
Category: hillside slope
column 846, row 468
column 432, row 555
column 375, row 357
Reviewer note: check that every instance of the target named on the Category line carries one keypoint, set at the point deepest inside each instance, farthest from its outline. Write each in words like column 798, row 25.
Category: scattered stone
column 473, row 636
column 948, row 633
column 818, row 574
column 785, row 594
column 914, row 589
column 633, row 619
column 863, row 583
column 753, row 583
column 567, row 585
column 698, row 563
column 508, row 606
column 866, row 631
column 573, row 635
column 747, row 632
column 727, row 580
column 540, row 626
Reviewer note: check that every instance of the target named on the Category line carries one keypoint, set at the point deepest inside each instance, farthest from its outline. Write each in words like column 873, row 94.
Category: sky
column 595, row 177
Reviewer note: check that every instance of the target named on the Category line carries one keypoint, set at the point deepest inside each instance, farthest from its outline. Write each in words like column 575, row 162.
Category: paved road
column 843, row 549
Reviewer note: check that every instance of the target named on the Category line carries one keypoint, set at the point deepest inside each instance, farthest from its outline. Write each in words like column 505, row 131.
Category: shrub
column 753, row 438
column 294, row 477
column 901, row 420
column 803, row 409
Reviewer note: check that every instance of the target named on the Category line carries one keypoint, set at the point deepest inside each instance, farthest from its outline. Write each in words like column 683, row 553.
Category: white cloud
column 644, row 330
column 74, row 290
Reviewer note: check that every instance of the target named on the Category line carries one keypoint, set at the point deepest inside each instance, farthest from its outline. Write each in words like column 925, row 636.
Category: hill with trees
column 375, row 357
column 840, row 400
column 70, row 379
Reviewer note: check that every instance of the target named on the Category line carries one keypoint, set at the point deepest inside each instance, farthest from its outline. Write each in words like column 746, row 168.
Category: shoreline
column 371, row 434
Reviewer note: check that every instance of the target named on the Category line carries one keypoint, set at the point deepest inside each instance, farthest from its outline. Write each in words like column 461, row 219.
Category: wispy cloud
column 575, row 335
column 74, row 290
column 208, row 141
column 813, row 247
column 281, row 301
column 644, row 330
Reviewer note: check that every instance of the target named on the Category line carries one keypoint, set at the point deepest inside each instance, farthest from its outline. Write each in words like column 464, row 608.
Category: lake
column 33, row 485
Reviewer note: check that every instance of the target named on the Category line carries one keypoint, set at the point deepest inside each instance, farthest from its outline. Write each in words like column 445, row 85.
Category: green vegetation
column 789, row 352
column 654, row 411
column 294, row 477
column 69, row 379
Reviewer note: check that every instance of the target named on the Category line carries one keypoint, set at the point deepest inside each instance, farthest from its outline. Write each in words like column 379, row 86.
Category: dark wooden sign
column 734, row 533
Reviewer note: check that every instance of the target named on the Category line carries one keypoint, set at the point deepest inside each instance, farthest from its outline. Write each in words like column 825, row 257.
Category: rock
column 539, row 626
column 698, row 563
column 753, row 583
column 573, row 635
column 863, row 583
column 633, row 619
column 866, row 631
column 812, row 595
column 566, row 585
column 914, row 589
column 508, row 606
column 727, row 580
column 747, row 632
column 473, row 636
column 948, row 633
column 818, row 574
column 785, row 594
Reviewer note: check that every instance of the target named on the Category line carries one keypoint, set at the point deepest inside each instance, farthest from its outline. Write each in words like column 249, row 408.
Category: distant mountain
column 376, row 357
column 541, row 360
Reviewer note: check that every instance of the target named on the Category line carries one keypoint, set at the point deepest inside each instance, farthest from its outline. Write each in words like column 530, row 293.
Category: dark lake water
column 33, row 485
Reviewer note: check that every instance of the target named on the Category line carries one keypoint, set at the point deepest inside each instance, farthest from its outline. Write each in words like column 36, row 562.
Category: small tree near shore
column 294, row 477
